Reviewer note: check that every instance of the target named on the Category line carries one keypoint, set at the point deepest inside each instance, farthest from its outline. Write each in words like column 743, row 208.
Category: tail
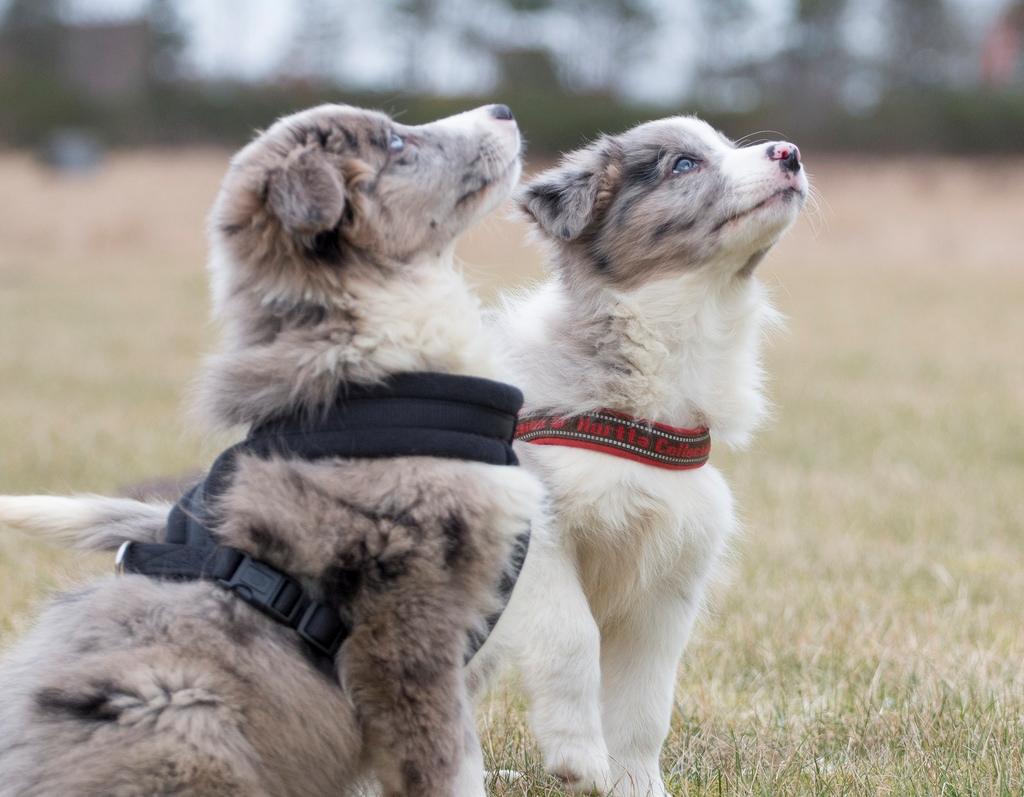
column 87, row 522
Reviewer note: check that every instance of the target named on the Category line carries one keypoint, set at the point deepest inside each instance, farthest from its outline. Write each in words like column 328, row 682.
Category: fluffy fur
column 87, row 522
column 331, row 264
column 653, row 310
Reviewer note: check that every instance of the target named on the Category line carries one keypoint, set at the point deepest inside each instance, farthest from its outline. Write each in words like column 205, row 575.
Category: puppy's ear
column 306, row 192
column 563, row 201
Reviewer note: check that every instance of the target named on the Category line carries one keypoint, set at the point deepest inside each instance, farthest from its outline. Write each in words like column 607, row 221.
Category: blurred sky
column 252, row 39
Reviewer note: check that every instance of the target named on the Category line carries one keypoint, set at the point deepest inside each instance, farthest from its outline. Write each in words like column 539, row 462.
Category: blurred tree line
column 890, row 75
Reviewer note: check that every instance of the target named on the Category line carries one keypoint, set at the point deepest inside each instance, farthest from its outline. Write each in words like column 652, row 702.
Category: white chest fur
column 633, row 529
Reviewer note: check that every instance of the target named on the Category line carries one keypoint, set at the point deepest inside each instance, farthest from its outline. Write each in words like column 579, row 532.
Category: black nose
column 502, row 112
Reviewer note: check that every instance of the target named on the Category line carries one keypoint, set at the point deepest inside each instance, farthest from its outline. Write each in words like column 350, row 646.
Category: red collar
column 622, row 436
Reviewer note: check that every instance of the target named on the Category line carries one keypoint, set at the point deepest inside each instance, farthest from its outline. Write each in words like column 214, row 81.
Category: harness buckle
column 322, row 629
column 262, row 586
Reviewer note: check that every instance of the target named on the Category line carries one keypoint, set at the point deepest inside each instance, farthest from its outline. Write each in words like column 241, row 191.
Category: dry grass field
column 870, row 637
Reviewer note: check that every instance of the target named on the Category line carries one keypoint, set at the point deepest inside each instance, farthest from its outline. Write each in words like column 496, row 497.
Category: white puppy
column 654, row 314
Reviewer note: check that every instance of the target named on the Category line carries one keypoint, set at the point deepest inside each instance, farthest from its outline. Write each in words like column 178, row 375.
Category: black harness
column 412, row 414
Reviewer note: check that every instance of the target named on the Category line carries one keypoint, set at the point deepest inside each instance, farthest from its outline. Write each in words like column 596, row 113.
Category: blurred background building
column 847, row 75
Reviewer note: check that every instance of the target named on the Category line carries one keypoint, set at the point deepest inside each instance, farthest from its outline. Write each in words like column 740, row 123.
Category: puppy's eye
column 684, row 165
column 396, row 143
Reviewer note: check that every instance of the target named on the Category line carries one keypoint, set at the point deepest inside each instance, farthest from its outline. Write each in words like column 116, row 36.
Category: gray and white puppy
column 332, row 264
column 654, row 310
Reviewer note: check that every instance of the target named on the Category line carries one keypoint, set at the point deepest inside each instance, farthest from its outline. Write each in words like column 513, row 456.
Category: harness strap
column 260, row 585
column 414, row 414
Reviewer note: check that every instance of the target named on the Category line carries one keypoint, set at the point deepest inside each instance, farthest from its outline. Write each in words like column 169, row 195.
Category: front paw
column 581, row 768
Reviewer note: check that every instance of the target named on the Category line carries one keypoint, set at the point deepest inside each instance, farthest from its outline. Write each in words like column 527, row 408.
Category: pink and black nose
column 788, row 155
